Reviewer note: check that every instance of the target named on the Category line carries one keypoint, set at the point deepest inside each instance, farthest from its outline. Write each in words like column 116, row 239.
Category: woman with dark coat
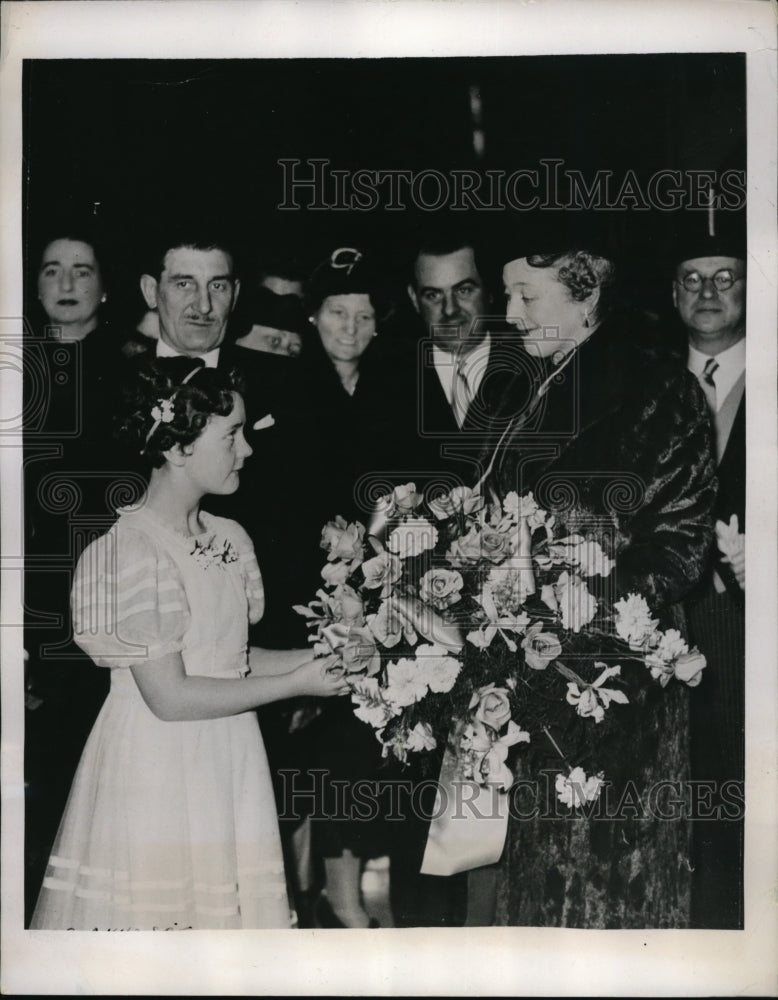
column 70, row 356
column 353, row 393
column 614, row 440
column 353, row 378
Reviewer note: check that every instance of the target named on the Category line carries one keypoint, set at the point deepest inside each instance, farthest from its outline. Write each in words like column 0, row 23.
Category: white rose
column 335, row 573
column 460, row 499
column 492, row 706
column 402, row 500
column 441, row 587
column 343, row 540
column 383, row 570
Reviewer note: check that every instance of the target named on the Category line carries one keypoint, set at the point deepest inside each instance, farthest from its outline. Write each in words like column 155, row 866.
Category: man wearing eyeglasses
column 709, row 293
column 710, row 296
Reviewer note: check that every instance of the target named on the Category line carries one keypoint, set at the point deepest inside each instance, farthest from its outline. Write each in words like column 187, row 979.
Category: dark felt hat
column 347, row 271
column 558, row 231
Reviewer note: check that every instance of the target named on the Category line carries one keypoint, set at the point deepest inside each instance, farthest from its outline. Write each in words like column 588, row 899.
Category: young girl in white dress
column 171, row 821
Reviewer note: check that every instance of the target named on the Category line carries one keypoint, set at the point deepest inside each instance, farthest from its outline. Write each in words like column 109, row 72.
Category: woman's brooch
column 214, row 554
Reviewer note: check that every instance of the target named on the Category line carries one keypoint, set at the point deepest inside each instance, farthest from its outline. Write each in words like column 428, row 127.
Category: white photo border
column 498, row 961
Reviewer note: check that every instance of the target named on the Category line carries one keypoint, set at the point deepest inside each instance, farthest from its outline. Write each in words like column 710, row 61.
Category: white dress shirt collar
column 473, row 367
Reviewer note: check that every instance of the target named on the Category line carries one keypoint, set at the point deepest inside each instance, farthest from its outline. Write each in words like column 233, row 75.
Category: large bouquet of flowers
column 492, row 628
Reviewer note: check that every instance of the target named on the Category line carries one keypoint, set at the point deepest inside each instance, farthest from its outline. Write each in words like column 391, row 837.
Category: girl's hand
column 322, row 678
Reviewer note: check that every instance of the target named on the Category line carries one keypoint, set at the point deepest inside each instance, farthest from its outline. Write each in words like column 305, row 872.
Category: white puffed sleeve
column 128, row 600
column 249, row 567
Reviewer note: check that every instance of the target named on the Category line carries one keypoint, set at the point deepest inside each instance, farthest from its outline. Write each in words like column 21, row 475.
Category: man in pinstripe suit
column 709, row 292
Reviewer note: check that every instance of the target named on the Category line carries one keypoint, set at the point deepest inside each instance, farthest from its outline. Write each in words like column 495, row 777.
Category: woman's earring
column 104, row 298
column 586, row 317
column 311, row 320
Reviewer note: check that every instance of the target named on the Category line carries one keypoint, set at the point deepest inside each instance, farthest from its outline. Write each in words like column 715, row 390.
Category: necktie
column 461, row 397
column 709, row 388
column 708, row 384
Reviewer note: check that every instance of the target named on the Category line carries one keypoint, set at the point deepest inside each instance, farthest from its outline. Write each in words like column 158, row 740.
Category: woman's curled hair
column 581, row 272
column 181, row 388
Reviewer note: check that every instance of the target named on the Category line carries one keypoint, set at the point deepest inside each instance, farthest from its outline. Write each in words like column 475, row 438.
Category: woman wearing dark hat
column 346, row 302
column 354, row 390
column 614, row 439
column 356, row 384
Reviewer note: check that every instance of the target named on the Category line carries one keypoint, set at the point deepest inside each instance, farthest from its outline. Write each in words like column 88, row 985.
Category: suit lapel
column 435, row 411
column 731, row 471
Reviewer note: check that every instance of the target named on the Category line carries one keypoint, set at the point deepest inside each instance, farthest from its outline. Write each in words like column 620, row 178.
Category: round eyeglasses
column 722, row 280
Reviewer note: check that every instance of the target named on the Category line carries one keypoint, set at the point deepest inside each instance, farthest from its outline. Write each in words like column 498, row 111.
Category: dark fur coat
column 619, row 446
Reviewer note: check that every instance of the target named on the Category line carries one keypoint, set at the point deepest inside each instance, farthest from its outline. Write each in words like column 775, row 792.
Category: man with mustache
column 192, row 288
column 191, row 284
column 709, row 293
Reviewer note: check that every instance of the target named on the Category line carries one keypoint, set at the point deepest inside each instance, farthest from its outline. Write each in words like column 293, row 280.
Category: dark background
column 203, row 138
column 131, row 141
